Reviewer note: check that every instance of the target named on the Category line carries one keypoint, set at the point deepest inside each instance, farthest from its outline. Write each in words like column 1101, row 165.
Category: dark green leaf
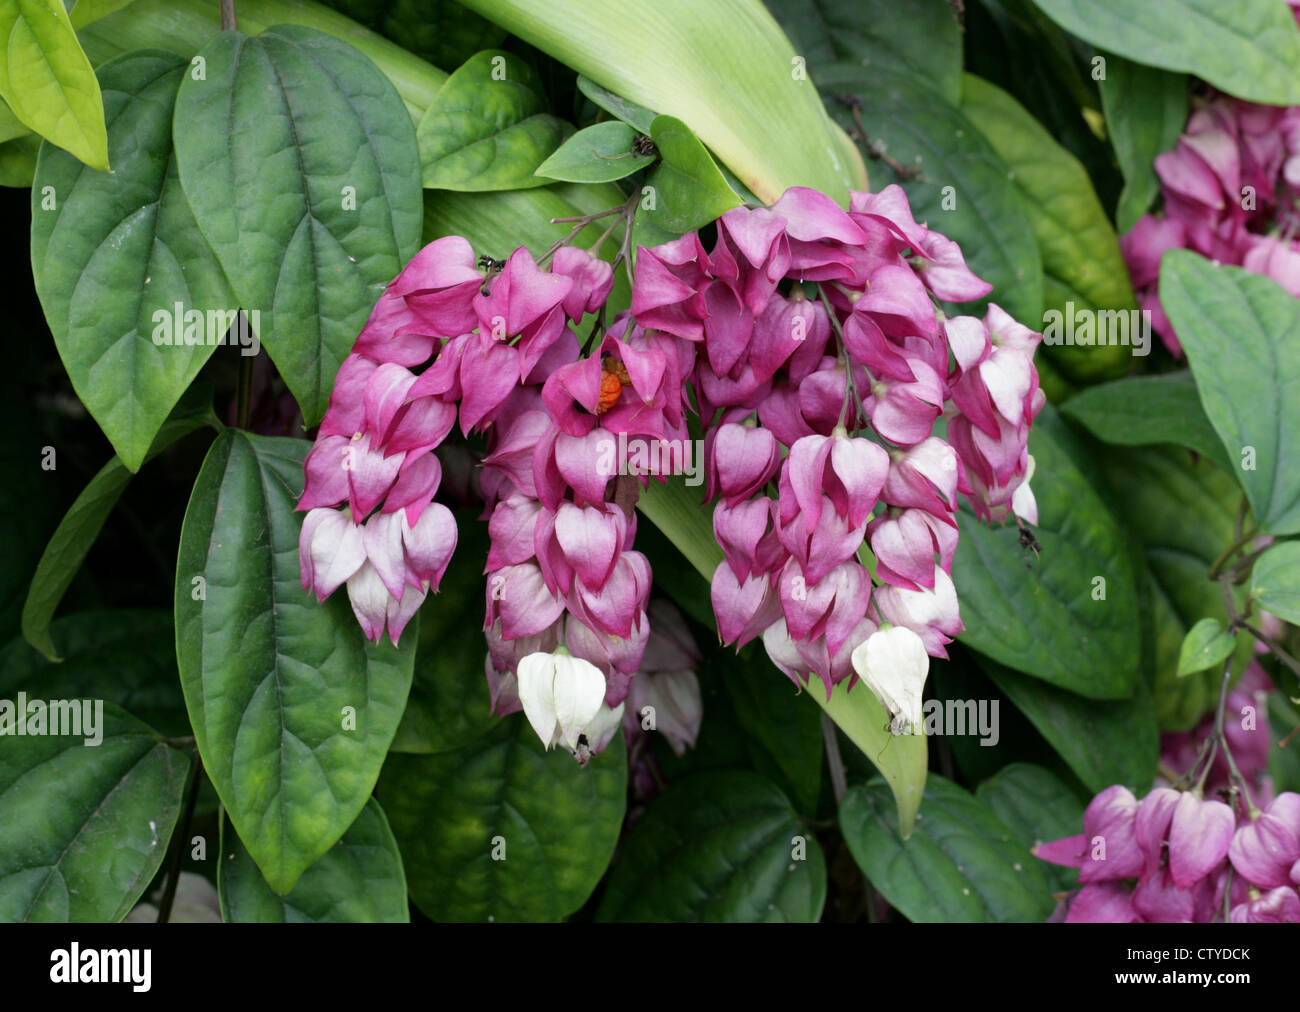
column 293, row 710
column 1249, row 48
column 1082, row 267
column 961, row 863
column 501, row 830
column 1239, row 331
column 83, row 828
column 1068, row 616
column 636, row 116
column 1142, row 410
column 300, row 162
column 1146, row 110
column 358, row 880
column 124, row 656
column 1038, row 807
column 114, row 254
column 1103, row 743
column 964, row 189
column 722, row 846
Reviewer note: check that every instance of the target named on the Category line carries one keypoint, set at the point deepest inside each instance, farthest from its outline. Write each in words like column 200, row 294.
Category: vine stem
column 839, row 781
column 227, row 15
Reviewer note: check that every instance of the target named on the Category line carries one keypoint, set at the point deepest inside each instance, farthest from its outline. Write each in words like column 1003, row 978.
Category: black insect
column 490, row 264
column 1028, row 543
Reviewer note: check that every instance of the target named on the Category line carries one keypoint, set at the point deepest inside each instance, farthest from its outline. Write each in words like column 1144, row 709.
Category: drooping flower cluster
column 1231, row 192
column 1180, row 856
column 808, row 345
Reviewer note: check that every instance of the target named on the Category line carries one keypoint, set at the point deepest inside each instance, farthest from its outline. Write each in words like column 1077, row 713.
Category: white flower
column 893, row 663
column 1023, row 503
column 561, row 696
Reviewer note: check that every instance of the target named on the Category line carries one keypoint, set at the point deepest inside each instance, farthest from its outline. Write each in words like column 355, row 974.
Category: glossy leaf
column 1146, row 110
column 301, row 166
column 292, row 709
column 1238, row 330
column 1142, row 410
column 961, row 864
column 113, row 255
column 83, row 828
column 488, row 128
column 47, row 80
column 1067, row 615
column 688, row 189
column 358, row 880
column 1275, row 581
column 1206, row 645
column 599, row 154
column 1249, row 48
column 501, row 830
column 718, row 847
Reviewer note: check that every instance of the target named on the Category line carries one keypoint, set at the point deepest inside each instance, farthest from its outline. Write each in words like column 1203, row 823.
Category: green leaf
column 1181, row 514
column 1082, row 266
column 636, row 116
column 789, row 731
column 271, row 677
column 80, row 526
column 1275, row 581
column 301, row 166
column 84, row 12
column 961, row 864
column 1206, row 645
column 488, row 128
column 1239, row 332
column 440, row 31
column 124, row 656
column 47, row 80
column 502, row 830
column 83, row 828
column 598, row 154
column 1068, row 616
column 1146, row 110
column 1038, row 807
column 1249, row 48
column 113, row 255
column 18, row 161
column 923, row 42
column 718, row 847
column 689, row 191
column 724, row 68
column 1143, row 410
column 1102, row 742
column 964, row 190
column 450, row 706
column 358, row 880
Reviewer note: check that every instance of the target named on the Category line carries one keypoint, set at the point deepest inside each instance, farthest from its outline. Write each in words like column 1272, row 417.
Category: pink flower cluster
column 824, row 369
column 1175, row 856
column 808, row 345
column 1231, row 193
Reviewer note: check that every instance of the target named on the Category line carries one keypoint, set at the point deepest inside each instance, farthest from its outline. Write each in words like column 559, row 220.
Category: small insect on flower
column 491, row 265
column 583, row 752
